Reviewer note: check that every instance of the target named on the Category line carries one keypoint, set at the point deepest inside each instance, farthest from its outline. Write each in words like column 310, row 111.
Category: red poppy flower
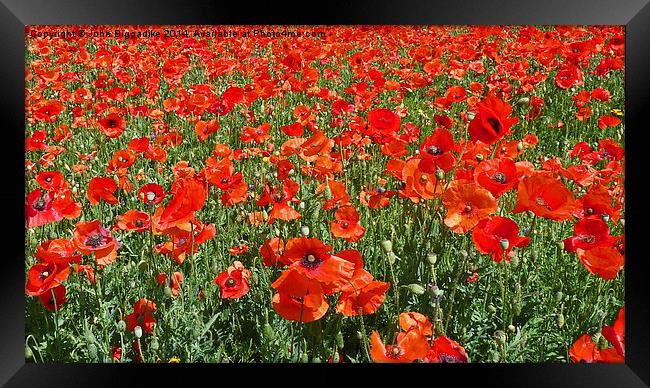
column 365, row 300
column 493, row 233
column 298, row 297
column 378, row 198
column 445, row 350
column 233, row 284
column 42, row 277
column 142, row 315
column 151, row 192
column 339, row 195
column 311, row 257
column 589, row 233
column 608, row 121
column 492, row 121
column 259, row 134
column 435, row 151
column 615, row 334
column 90, row 237
column 189, row 197
column 467, row 204
column 545, row 196
column 134, row 220
column 271, row 252
column 102, row 188
column 112, row 125
column 238, row 249
column 416, row 321
column 280, row 200
column 384, row 120
column 347, row 225
column 604, row 262
column 419, row 184
column 569, row 76
column 51, row 180
column 174, row 283
column 54, row 299
column 584, row 350
column 410, row 347
column 182, row 242
column 497, row 175
column 40, row 209
column 59, row 251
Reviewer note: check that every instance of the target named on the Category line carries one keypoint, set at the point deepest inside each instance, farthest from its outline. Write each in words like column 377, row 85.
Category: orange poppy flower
column 467, row 203
column 189, row 197
column 91, row 237
column 545, row 196
column 299, row 298
column 497, row 175
column 142, row 315
column 59, row 251
column 182, row 242
column 490, row 233
column 347, row 225
column 416, row 321
column 339, row 196
column 280, row 200
column 259, row 134
column 604, row 262
column 102, row 188
column 419, row 184
column 112, row 125
column 233, row 283
column 584, row 350
column 615, row 334
column 271, row 252
column 410, row 347
column 174, row 284
column 51, row 180
column 134, row 220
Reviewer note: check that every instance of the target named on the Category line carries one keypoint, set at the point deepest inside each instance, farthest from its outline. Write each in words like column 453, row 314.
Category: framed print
column 430, row 185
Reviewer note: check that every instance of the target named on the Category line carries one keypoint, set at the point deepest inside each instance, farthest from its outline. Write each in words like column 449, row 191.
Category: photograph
column 325, row 193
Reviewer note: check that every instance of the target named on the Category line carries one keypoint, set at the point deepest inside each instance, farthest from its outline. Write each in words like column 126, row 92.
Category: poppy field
column 324, row 194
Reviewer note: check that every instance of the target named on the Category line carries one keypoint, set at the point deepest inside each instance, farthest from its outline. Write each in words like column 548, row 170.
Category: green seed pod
column 121, row 326
column 304, row 358
column 168, row 292
column 336, row 358
column 28, row 353
column 92, row 351
column 560, row 244
column 463, row 254
column 339, row 340
column 438, row 292
column 516, row 307
column 328, row 191
column 523, row 101
column 479, row 157
column 90, row 337
column 154, row 344
column 415, row 289
column 137, row 331
column 511, row 328
column 269, row 333
column 316, row 360
column 432, row 258
column 52, row 235
column 440, row 174
column 505, row 244
column 391, row 257
column 387, row 246
column 491, row 308
column 471, row 115
column 265, row 215
column 304, row 230
column 560, row 320
column 143, row 266
column 520, row 146
column 558, row 296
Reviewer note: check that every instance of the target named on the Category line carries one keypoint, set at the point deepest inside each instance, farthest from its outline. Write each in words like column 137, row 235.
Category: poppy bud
column 387, row 246
column 358, row 335
column 463, row 254
column 268, row 332
column 470, row 115
column 533, row 255
column 339, row 340
column 505, row 244
column 499, row 337
column 304, row 358
column 391, row 257
column 143, row 266
column 132, row 284
column 327, row 192
column 514, row 260
column 154, row 343
column 336, row 357
column 605, row 217
column 602, row 342
column 440, row 174
column 75, row 189
column 168, row 291
column 90, row 337
column 304, row 230
column 415, row 289
column 151, row 196
column 438, row 292
column 494, row 356
column 491, row 308
column 560, row 320
column 137, row 331
column 622, row 220
column 432, row 258
column 520, row 146
column 92, row 351
column 265, row 215
column 511, row 328
column 28, row 352
column 316, row 360
column 560, row 244
column 121, row 326
column 558, row 296
column 516, row 307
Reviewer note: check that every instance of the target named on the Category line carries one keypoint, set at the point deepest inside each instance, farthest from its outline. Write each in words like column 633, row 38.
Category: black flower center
column 588, row 239
column 468, row 208
column 48, row 179
column 495, row 124
column 230, row 282
column 434, row 150
column 112, row 123
column 94, row 240
column 139, row 223
column 393, row 352
column 278, row 197
column 499, row 177
column 310, row 261
column 39, row 204
column 446, row 358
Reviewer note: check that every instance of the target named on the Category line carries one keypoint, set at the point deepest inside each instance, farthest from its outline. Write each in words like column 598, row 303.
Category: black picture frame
column 16, row 14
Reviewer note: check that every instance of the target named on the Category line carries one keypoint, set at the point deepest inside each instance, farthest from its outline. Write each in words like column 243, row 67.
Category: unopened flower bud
column 28, row 353
column 558, row 296
column 168, row 291
column 137, row 331
column 304, row 230
column 440, row 174
column 339, row 340
column 520, row 146
column 523, row 101
column 92, row 351
column 121, row 326
column 511, row 328
column 560, row 320
column 304, row 358
column 301, row 205
column 316, row 360
column 471, row 115
column 154, row 344
column 432, row 258
column 387, row 246
column 500, row 337
column 491, row 308
column 268, row 332
column 143, row 266
column 151, row 196
column 415, row 289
